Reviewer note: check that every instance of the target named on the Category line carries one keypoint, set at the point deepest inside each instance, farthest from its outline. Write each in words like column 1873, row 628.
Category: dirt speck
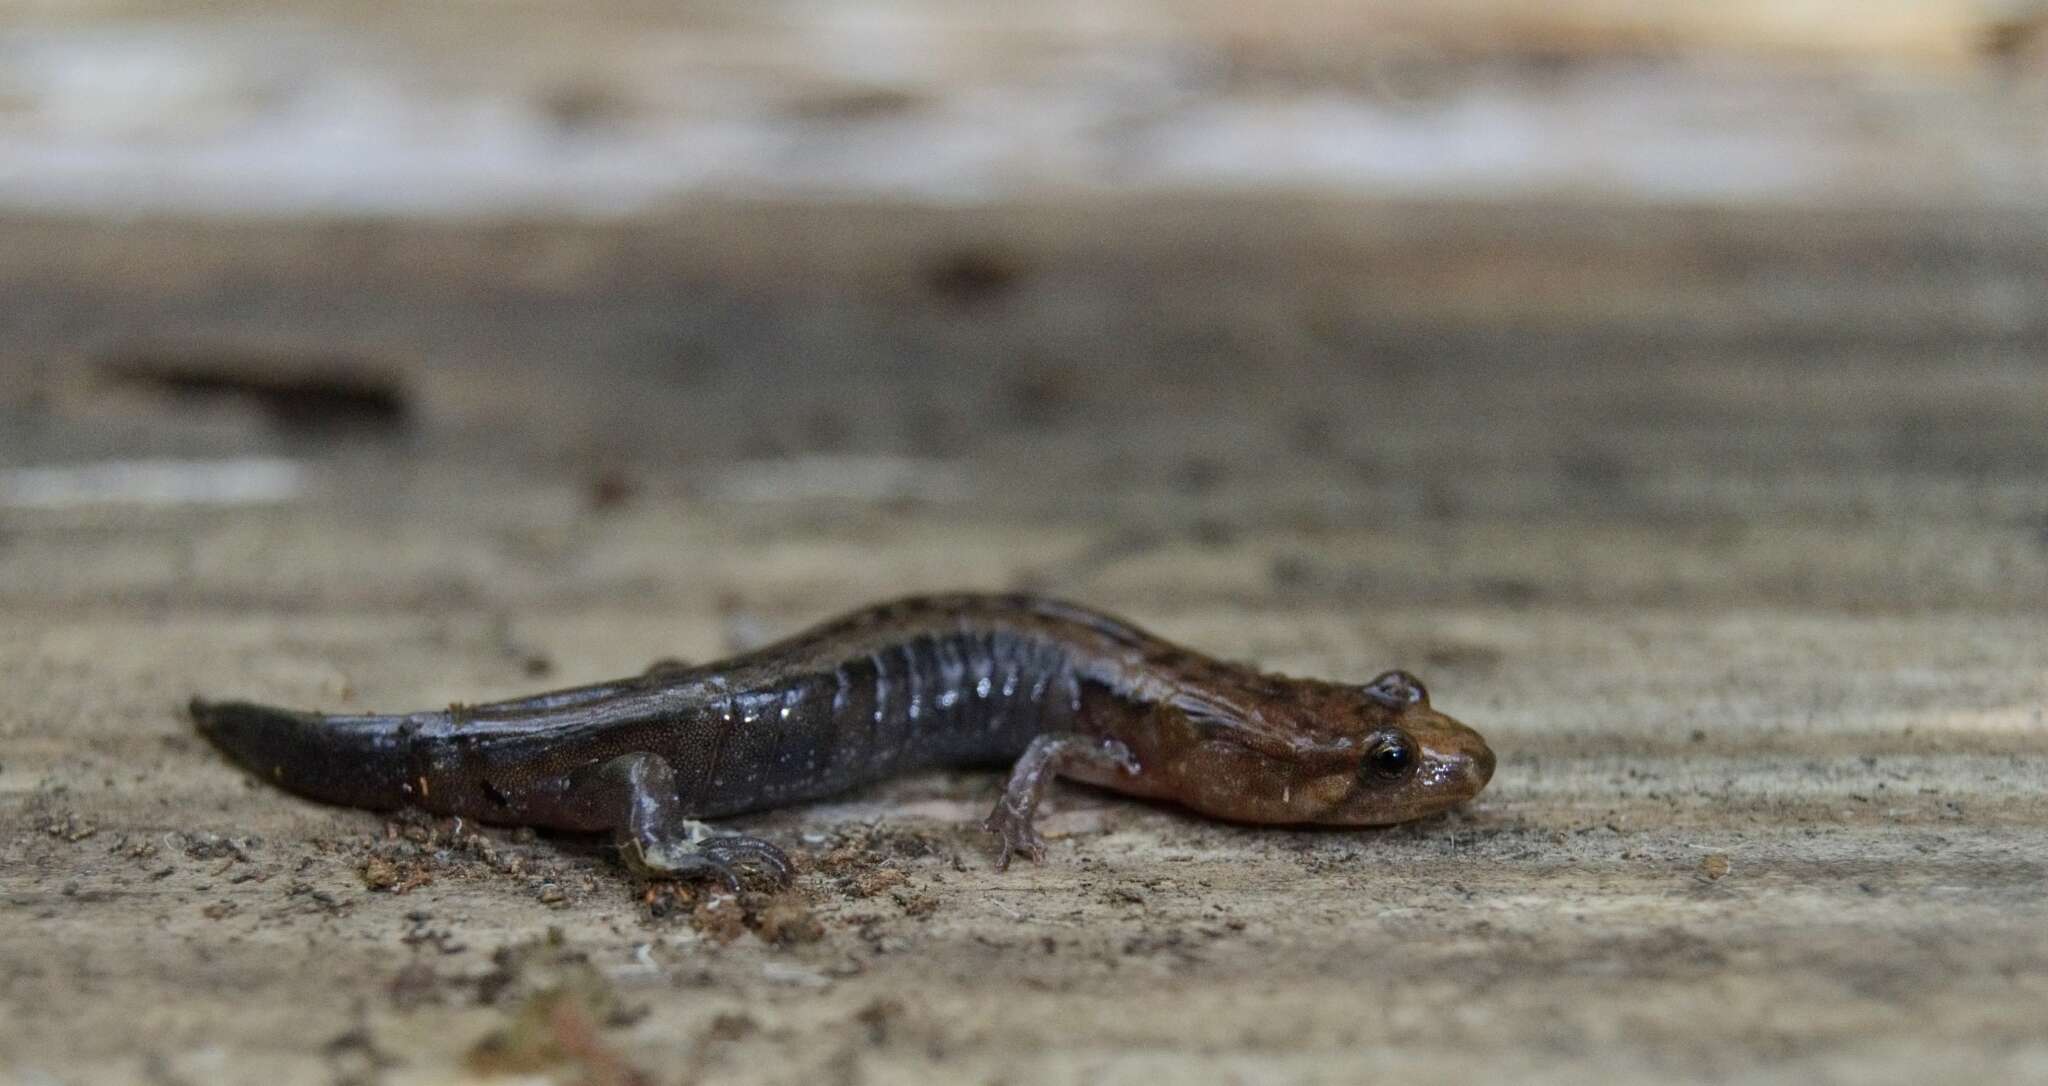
column 870, row 883
column 355, row 1057
column 880, row 1017
column 385, row 875
column 416, row 985
column 786, row 919
column 70, row 828
column 719, row 917
column 974, row 274
column 294, row 390
column 916, row 905
column 379, row 873
column 610, row 490
column 555, row 1029
column 732, row 1026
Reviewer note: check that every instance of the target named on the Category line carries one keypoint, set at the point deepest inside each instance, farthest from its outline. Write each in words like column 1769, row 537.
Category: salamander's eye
column 1391, row 757
column 1397, row 690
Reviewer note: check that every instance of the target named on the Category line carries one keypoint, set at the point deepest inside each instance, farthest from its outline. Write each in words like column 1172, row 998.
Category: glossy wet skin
column 1050, row 688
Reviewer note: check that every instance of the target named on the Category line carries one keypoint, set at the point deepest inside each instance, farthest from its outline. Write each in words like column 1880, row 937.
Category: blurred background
column 1184, row 266
column 1667, row 383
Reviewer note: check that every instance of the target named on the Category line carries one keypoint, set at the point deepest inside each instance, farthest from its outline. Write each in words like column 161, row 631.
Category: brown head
column 1299, row 750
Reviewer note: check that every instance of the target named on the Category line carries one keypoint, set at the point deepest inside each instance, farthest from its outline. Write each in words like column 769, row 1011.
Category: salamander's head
column 1412, row 759
column 1330, row 754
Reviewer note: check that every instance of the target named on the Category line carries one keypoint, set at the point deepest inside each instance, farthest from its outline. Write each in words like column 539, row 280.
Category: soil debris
column 557, row 1028
column 388, row 876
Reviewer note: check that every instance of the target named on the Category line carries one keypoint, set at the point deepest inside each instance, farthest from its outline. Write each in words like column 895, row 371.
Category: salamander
column 1049, row 688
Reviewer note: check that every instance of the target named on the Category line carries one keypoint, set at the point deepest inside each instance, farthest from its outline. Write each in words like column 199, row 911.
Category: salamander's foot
column 636, row 795
column 1047, row 757
column 1014, row 834
column 699, row 852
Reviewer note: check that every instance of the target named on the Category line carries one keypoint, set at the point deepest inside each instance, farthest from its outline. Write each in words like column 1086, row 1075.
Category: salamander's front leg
column 636, row 795
column 1047, row 757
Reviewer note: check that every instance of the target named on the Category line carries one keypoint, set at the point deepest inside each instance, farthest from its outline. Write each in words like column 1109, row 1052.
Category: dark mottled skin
column 1050, row 688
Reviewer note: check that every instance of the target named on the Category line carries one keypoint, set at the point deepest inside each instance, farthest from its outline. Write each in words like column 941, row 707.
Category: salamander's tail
column 359, row 761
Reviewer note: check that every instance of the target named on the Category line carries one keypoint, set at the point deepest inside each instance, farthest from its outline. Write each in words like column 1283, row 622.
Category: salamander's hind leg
column 636, row 795
column 1047, row 757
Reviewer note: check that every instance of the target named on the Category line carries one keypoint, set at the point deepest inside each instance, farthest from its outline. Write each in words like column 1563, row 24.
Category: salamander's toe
column 684, row 864
column 734, row 850
column 1015, row 836
column 723, row 857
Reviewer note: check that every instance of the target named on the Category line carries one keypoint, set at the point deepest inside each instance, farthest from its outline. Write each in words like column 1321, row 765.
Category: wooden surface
column 1728, row 528
column 1667, row 384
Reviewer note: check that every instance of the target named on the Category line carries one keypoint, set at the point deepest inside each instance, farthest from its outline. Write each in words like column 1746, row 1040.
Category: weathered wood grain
column 1729, row 528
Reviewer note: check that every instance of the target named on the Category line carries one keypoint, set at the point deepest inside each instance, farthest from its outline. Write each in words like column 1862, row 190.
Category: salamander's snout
column 1456, row 762
column 1482, row 767
column 1475, row 760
